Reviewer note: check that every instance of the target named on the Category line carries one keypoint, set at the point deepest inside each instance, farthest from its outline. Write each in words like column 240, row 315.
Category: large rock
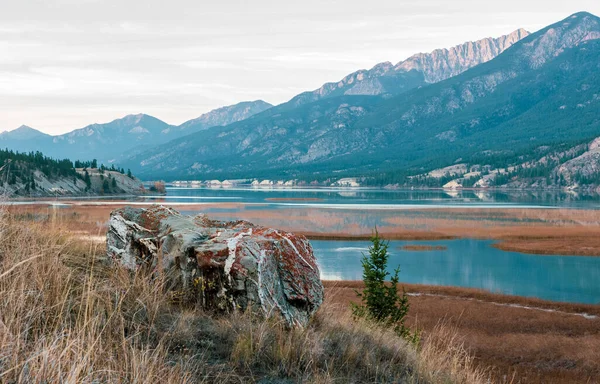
column 225, row 265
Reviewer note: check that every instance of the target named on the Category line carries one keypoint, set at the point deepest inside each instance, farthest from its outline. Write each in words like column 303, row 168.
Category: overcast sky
column 68, row 63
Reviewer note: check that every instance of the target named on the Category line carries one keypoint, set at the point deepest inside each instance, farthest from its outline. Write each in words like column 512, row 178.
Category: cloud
column 66, row 63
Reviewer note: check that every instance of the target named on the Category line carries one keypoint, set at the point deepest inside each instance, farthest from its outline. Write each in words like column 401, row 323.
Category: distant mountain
column 226, row 115
column 108, row 141
column 22, row 133
column 416, row 71
column 543, row 90
column 24, row 139
column 131, row 134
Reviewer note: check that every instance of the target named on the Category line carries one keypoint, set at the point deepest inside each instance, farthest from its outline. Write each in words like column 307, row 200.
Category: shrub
column 380, row 300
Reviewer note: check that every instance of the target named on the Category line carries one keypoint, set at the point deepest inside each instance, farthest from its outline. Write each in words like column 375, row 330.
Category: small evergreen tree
column 129, row 174
column 105, row 186
column 380, row 301
column 87, row 180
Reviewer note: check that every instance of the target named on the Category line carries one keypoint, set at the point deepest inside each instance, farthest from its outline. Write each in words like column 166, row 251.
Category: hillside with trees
column 35, row 175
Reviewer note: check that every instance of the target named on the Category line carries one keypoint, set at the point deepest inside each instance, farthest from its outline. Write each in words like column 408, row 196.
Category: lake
column 466, row 262
column 380, row 198
column 474, row 264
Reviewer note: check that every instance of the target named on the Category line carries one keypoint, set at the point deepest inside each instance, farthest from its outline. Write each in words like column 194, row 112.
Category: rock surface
column 225, row 265
column 417, row 70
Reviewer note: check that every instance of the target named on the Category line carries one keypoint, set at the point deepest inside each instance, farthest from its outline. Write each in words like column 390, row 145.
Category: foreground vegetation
column 67, row 317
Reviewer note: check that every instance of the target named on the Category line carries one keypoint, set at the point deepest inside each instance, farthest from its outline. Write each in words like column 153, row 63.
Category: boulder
column 222, row 265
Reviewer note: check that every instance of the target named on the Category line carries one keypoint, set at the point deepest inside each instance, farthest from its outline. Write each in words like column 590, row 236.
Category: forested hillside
column 542, row 92
column 33, row 174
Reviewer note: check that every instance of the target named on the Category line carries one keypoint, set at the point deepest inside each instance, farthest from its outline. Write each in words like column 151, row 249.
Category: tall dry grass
column 65, row 316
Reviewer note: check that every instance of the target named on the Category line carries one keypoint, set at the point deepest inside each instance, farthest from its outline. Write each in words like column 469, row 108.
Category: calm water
column 377, row 198
column 474, row 264
column 465, row 263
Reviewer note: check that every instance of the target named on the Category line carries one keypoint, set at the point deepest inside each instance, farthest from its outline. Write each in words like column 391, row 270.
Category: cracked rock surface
column 226, row 265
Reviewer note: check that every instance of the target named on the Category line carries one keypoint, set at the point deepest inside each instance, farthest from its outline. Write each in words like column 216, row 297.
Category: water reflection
column 385, row 197
column 474, row 264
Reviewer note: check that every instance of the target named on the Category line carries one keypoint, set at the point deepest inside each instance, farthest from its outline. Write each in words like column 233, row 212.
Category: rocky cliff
column 443, row 64
column 417, row 70
column 35, row 175
column 38, row 184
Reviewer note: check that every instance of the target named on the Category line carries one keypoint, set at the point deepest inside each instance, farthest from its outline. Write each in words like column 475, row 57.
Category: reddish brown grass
column 67, row 316
column 531, row 345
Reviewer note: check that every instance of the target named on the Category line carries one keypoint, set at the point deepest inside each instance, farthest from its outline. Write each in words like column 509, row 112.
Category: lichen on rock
column 228, row 265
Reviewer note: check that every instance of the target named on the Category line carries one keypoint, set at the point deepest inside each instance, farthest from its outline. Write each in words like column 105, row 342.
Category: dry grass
column 536, row 231
column 65, row 316
column 513, row 339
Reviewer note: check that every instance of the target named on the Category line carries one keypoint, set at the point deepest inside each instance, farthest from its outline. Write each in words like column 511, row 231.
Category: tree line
column 20, row 167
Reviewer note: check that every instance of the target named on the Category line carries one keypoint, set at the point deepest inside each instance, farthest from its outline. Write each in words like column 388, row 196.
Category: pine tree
column 105, row 186
column 87, row 180
column 380, row 301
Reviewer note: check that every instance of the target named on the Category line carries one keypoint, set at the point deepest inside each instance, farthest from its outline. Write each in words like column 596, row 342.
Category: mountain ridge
column 417, row 70
column 129, row 134
column 431, row 124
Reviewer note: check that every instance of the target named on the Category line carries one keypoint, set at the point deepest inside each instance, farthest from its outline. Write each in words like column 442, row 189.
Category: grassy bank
column 67, row 317
column 516, row 339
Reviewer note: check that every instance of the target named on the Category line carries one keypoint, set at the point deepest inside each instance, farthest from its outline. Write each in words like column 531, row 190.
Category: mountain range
column 542, row 90
column 129, row 135
column 416, row 71
column 490, row 102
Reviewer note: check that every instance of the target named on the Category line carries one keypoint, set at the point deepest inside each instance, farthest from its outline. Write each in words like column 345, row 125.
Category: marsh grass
column 66, row 316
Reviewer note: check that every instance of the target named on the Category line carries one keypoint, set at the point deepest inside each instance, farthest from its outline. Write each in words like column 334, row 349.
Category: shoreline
column 441, row 291
column 556, row 231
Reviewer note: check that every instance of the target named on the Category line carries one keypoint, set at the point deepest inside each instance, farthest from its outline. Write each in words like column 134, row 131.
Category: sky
column 65, row 64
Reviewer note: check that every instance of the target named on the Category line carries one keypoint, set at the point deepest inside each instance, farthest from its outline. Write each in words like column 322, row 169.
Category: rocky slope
column 131, row 134
column 443, row 64
column 416, row 71
column 574, row 167
column 52, row 186
column 35, row 175
column 226, row 115
column 543, row 90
